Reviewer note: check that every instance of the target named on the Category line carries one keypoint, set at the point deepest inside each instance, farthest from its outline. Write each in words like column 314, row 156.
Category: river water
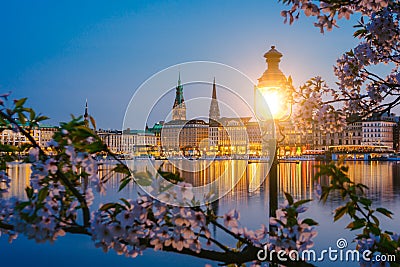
column 383, row 179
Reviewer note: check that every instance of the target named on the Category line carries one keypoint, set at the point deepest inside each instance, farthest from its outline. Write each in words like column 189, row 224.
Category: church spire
column 214, row 92
column 86, row 115
column 179, row 108
column 214, row 113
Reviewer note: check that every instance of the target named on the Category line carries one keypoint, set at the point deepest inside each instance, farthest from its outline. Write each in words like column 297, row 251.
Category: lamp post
column 275, row 90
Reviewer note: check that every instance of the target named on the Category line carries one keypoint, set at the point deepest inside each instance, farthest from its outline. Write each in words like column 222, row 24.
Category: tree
column 362, row 91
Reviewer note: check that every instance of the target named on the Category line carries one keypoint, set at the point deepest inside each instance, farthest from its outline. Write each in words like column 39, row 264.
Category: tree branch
column 65, row 180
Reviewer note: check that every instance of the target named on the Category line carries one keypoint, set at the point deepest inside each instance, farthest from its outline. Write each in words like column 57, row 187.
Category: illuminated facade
column 133, row 142
column 184, row 138
column 378, row 132
column 9, row 137
column 42, row 135
column 232, row 136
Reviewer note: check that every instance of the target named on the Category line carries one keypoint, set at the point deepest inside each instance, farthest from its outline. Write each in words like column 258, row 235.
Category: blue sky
column 58, row 53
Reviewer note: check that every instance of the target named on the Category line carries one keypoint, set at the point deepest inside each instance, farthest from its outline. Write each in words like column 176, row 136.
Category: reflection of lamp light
column 273, row 96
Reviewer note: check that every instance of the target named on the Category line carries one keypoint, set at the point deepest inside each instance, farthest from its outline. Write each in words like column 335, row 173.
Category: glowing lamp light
column 275, row 102
column 271, row 98
column 270, row 103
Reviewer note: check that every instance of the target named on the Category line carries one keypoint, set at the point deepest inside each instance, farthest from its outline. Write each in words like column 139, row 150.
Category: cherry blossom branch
column 216, row 242
column 65, row 180
column 248, row 254
column 226, row 230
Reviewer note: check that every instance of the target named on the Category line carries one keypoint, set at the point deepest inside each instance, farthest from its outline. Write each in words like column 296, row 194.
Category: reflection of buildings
column 380, row 177
column 235, row 178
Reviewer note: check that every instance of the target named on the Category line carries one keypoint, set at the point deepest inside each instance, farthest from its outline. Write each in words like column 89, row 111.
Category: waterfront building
column 141, row 143
column 353, row 133
column 13, row 138
column 46, row 134
column 253, row 130
column 42, row 135
column 132, row 142
column 184, row 138
column 156, row 129
column 293, row 141
column 379, row 131
column 113, row 140
column 196, row 137
column 232, row 136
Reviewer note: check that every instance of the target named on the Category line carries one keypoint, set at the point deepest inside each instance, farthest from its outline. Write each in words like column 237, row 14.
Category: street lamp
column 275, row 90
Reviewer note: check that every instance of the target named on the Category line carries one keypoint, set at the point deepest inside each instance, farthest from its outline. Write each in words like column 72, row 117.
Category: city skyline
column 96, row 56
column 200, row 133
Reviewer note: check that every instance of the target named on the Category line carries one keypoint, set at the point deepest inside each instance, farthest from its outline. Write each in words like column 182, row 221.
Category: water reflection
column 383, row 179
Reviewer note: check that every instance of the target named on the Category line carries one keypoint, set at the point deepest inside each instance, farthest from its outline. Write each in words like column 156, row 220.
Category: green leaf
column 309, row 221
column 359, row 33
column 43, row 194
column 29, row 191
column 376, row 220
column 385, row 212
column 21, row 118
column 124, row 183
column 121, row 168
column 143, row 181
column 365, row 201
column 32, row 115
column 108, row 206
column 20, row 102
column 126, row 202
column 170, row 176
column 375, row 230
column 289, row 198
column 340, row 212
column 357, row 224
column 93, row 122
column 42, row 118
column 325, row 193
column 301, row 202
